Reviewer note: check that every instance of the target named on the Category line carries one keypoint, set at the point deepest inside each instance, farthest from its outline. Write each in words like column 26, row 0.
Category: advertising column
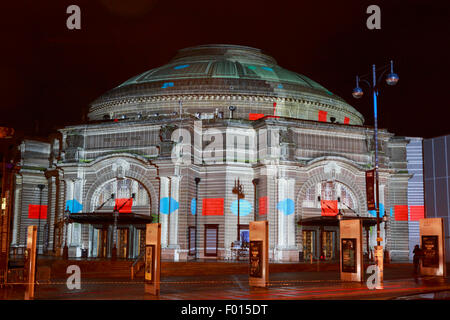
column 259, row 254
column 153, row 258
column 432, row 245
column 30, row 262
column 351, row 250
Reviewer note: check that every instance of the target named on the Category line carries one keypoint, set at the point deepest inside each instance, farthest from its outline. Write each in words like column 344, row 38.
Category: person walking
column 416, row 259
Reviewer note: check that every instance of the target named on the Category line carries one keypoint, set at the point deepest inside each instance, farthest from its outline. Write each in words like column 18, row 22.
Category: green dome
column 224, row 61
column 212, row 77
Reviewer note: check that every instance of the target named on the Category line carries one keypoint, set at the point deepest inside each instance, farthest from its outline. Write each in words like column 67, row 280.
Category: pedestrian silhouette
column 416, row 259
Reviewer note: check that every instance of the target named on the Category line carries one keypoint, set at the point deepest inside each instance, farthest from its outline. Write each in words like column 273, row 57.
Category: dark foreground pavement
column 310, row 285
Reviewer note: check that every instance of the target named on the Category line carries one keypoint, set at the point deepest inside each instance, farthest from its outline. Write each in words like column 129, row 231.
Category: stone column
column 286, row 220
column 174, row 216
column 17, row 210
column 164, row 217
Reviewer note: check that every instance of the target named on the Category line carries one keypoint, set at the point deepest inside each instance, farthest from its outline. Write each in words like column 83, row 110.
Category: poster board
column 259, row 254
column 152, row 258
column 351, row 263
column 30, row 262
column 348, row 253
column 433, row 247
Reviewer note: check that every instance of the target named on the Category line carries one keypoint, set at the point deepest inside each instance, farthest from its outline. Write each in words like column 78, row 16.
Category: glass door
column 327, row 244
column 308, row 244
column 123, row 243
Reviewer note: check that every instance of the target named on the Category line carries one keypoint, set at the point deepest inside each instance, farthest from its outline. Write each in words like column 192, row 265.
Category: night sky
column 50, row 74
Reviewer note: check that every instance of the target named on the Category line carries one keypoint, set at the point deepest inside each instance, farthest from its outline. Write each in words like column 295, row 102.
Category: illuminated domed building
column 170, row 143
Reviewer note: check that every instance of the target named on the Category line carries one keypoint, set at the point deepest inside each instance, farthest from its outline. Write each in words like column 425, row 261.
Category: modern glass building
column 436, row 153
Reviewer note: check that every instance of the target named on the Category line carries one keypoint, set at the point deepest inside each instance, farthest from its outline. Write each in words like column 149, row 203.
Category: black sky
column 51, row 74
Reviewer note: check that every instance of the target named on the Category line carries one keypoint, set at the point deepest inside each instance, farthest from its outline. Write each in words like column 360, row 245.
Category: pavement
column 399, row 283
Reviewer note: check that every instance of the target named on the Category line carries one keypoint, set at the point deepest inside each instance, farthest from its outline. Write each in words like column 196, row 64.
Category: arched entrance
column 121, row 209
column 127, row 196
column 334, row 185
column 319, row 233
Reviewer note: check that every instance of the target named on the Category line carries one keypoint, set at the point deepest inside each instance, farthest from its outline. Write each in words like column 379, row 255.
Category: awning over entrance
column 108, row 218
column 333, row 221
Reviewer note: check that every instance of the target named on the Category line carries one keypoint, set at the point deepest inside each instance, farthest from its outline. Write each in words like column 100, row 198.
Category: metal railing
column 135, row 267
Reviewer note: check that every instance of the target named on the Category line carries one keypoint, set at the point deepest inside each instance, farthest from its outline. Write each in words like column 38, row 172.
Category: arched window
column 122, row 189
column 330, row 190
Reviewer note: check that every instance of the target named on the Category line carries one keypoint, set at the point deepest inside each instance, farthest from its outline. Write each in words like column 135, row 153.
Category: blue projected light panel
column 73, row 206
column 374, row 212
column 164, row 205
column 181, row 66
column 167, row 84
column 286, row 206
column 267, row 68
column 245, row 207
column 193, row 206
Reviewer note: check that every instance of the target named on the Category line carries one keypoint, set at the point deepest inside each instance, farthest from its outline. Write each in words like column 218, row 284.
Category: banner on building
column 124, row 205
column 370, row 194
column 329, row 207
column 212, row 207
column 36, row 211
column 263, row 205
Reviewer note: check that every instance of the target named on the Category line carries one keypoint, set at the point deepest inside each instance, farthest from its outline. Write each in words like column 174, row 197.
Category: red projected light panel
column 346, row 120
column 255, row 116
column 33, row 211
column 323, row 116
column 212, row 207
column 401, row 213
column 416, row 213
column 329, row 207
column 263, row 205
column 127, row 207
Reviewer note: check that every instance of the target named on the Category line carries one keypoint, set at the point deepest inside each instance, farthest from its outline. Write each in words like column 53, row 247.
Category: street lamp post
column 197, row 181
column 66, row 248
column 114, row 249
column 41, row 187
column 255, row 200
column 391, row 79
column 239, row 191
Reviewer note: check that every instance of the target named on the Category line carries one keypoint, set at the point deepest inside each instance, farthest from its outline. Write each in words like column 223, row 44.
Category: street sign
column 370, row 178
column 432, row 244
column 153, row 258
column 259, row 254
column 351, row 259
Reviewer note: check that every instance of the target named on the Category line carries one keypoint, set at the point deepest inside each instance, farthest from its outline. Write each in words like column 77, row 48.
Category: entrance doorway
column 309, row 237
column 328, row 240
column 102, row 245
column 211, row 240
column 244, row 235
column 122, row 243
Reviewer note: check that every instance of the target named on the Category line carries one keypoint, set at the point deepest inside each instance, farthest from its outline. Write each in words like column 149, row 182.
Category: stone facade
column 137, row 144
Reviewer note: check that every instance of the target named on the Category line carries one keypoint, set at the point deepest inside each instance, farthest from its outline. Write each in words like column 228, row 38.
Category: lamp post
column 255, row 200
column 391, row 79
column 114, row 249
column 197, row 181
column 239, row 191
column 66, row 248
column 41, row 187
